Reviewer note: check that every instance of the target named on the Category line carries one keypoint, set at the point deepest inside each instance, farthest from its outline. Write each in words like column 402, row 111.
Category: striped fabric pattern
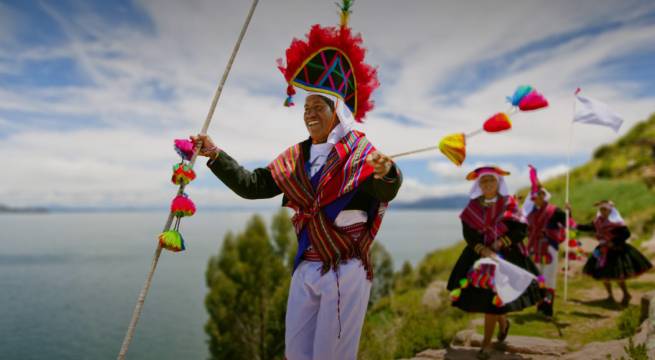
column 488, row 220
column 344, row 170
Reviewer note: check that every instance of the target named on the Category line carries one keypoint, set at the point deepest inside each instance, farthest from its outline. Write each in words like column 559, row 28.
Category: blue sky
column 93, row 92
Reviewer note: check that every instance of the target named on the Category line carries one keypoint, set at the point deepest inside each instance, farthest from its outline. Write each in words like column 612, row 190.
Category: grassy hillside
column 399, row 325
column 620, row 172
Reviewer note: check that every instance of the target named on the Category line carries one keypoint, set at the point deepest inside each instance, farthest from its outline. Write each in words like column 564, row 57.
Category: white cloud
column 452, row 179
column 446, row 170
column 99, row 168
column 125, row 156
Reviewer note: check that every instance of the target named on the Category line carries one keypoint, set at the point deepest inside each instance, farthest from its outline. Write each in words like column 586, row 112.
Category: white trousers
column 312, row 321
column 549, row 271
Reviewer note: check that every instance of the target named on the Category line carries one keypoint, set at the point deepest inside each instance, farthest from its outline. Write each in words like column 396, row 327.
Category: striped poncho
column 344, row 170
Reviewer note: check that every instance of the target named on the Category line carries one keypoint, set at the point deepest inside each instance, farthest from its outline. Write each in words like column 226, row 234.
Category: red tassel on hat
column 290, row 93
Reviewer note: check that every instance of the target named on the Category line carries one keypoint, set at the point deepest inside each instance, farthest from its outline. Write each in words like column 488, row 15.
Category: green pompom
column 172, row 240
column 455, row 294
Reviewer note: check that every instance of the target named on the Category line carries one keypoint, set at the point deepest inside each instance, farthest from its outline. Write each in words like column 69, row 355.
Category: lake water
column 69, row 282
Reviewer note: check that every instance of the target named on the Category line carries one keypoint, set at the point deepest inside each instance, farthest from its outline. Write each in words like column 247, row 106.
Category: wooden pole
column 153, row 265
column 568, row 213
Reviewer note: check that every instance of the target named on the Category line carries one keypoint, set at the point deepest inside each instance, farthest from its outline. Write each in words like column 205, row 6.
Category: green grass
column 438, row 264
column 630, row 196
column 629, row 321
column 624, row 159
column 615, row 172
column 633, row 198
column 641, row 285
column 399, row 325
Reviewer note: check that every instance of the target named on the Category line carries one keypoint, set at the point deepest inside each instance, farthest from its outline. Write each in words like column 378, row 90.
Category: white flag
column 592, row 111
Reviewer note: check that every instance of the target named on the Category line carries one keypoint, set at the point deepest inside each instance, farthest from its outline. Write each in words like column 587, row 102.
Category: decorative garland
column 181, row 205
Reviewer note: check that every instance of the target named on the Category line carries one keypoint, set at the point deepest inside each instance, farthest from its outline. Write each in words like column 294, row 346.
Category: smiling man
column 338, row 186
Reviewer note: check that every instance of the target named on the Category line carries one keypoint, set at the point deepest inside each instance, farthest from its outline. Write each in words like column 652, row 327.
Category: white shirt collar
column 318, row 153
column 490, row 201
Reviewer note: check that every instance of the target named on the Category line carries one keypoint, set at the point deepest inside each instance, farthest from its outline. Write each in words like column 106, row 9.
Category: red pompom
column 497, row 123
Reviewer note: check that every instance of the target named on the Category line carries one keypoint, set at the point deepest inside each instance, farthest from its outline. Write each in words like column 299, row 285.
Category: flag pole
column 566, row 202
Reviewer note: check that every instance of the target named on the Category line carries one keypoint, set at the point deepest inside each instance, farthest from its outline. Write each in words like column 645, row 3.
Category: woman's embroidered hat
column 473, row 175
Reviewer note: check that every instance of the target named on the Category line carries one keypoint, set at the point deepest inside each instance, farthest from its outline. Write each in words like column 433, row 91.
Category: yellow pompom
column 454, row 148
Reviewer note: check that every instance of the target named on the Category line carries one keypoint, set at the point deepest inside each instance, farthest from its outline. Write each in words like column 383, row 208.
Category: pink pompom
column 533, row 101
column 184, row 148
column 183, row 206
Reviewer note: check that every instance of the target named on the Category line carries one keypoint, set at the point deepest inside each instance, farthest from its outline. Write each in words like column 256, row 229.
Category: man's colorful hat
column 486, row 170
column 331, row 61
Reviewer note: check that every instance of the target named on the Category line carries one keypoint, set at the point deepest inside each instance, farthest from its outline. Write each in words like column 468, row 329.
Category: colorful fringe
column 480, row 277
column 483, row 276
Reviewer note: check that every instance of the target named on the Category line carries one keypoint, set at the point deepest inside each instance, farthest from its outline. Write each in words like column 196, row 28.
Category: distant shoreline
column 454, row 202
column 27, row 210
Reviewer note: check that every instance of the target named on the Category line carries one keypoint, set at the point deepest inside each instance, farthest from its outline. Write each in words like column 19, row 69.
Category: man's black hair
column 328, row 101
